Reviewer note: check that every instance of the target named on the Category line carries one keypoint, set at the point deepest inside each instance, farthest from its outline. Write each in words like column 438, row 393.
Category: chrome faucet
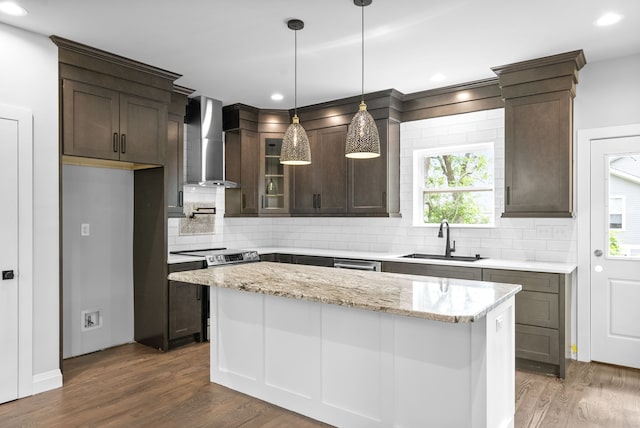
column 448, row 249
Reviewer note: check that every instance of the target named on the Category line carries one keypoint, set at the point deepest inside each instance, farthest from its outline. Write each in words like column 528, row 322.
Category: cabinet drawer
column 537, row 344
column 531, row 281
column 433, row 270
column 538, row 309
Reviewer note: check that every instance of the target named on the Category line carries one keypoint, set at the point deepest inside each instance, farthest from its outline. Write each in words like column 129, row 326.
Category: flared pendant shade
column 363, row 140
column 295, row 145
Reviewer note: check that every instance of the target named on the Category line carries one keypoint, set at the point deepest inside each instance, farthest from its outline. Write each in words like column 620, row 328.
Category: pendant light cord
column 362, row 7
column 295, row 74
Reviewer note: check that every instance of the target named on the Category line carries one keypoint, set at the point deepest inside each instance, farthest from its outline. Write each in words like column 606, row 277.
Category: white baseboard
column 47, row 381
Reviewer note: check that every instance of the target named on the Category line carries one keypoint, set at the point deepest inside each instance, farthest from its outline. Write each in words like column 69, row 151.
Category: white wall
column 29, row 76
column 607, row 94
column 97, row 269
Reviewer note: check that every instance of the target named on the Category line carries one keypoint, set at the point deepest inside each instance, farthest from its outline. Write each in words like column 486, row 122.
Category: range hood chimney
column 205, row 144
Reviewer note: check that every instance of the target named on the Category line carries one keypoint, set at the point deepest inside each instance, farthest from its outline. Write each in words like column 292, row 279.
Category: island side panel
column 493, row 368
column 352, row 367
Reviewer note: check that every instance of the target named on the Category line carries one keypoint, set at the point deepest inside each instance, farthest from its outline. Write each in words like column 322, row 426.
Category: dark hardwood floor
column 136, row 386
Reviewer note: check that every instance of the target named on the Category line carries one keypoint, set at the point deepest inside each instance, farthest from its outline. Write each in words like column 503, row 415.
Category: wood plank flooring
column 136, row 386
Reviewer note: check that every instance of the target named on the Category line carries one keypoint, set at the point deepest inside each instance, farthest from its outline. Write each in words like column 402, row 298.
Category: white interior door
column 615, row 251
column 8, row 259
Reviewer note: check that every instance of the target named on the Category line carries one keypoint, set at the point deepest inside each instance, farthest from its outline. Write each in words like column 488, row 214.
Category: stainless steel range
column 222, row 256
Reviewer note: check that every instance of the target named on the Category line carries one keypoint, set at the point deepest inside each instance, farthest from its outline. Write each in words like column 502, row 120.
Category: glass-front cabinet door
column 274, row 183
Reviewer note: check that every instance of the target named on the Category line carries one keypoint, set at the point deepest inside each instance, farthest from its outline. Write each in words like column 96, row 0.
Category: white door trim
column 25, row 245
column 583, row 193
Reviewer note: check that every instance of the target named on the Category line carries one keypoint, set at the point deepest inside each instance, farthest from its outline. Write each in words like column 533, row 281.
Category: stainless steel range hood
column 205, row 144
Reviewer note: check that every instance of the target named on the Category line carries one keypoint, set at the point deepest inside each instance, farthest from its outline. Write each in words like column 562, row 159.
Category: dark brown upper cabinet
column 371, row 182
column 332, row 185
column 349, row 187
column 105, row 124
column 320, row 188
column 253, row 139
column 113, row 108
column 538, row 98
column 242, row 166
column 174, row 161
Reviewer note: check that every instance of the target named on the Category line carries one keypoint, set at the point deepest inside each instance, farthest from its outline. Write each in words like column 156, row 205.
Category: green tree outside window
column 459, row 187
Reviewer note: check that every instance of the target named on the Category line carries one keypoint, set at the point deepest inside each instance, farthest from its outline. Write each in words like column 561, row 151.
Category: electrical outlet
column 85, row 229
column 499, row 323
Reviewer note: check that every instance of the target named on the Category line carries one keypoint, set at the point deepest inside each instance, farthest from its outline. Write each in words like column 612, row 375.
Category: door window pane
column 624, row 197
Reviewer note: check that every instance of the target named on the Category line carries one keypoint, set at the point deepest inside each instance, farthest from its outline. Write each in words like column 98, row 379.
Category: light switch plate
column 84, row 229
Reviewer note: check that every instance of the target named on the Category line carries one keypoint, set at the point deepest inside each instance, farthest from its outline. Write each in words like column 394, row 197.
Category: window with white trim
column 456, row 184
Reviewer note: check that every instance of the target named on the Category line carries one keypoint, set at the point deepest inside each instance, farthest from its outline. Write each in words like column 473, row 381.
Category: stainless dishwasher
column 369, row 265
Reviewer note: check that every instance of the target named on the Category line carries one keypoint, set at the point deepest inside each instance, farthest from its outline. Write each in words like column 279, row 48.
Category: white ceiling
column 242, row 51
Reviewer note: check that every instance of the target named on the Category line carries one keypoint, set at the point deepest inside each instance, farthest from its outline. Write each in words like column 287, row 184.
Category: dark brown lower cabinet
column 187, row 303
column 543, row 320
column 312, row 260
column 185, row 311
column 277, row 258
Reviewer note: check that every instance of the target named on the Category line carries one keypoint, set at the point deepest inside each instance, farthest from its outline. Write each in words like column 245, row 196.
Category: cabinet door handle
column 180, row 199
column 115, row 142
column 123, row 143
column 244, row 201
column 315, row 204
column 198, row 292
column 508, row 195
column 319, row 201
column 262, row 202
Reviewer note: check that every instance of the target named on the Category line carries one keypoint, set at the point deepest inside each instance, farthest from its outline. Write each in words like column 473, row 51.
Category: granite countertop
column 439, row 299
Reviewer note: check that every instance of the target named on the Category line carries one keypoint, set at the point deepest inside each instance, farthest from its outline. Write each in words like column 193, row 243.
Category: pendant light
column 363, row 141
column 295, row 144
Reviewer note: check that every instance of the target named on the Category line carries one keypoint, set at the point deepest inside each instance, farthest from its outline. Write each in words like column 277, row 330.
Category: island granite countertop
column 440, row 299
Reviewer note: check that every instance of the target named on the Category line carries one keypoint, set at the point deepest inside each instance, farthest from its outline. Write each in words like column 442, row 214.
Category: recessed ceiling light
column 11, row 8
column 609, row 18
column 438, row 77
column 277, row 97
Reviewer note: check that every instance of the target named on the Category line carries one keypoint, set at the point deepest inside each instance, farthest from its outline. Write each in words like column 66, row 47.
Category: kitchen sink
column 441, row 257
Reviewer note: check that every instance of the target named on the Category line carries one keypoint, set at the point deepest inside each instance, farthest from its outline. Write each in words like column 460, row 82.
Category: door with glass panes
column 615, row 250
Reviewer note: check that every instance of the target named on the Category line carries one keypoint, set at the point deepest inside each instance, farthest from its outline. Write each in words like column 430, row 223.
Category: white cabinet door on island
column 364, row 349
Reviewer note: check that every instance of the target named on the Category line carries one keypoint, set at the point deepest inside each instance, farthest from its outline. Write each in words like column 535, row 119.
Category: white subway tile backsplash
column 556, row 256
column 518, row 254
column 501, row 233
column 528, row 244
column 497, row 243
column 555, row 245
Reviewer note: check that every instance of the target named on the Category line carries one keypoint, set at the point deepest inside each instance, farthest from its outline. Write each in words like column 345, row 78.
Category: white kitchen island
column 364, row 349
